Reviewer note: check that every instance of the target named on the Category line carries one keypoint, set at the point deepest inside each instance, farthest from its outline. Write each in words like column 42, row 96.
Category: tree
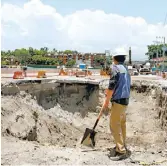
column 31, row 51
column 68, row 52
column 36, row 56
column 6, row 62
column 44, row 50
column 41, row 60
column 54, row 50
column 108, row 60
column 99, row 60
column 154, row 49
column 3, row 54
column 70, row 63
column 75, row 52
column 22, row 55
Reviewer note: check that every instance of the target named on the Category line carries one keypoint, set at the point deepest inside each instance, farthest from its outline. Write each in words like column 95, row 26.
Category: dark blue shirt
column 119, row 82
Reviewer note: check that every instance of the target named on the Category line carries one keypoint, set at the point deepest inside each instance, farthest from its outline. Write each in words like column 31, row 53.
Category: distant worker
column 118, row 93
column 25, row 71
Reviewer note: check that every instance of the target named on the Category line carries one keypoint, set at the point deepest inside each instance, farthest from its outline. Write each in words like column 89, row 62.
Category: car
column 165, row 70
column 144, row 71
column 135, row 72
column 4, row 66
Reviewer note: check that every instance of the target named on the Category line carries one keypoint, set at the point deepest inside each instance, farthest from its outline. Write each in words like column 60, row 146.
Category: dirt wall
column 154, row 89
column 157, row 92
column 73, row 97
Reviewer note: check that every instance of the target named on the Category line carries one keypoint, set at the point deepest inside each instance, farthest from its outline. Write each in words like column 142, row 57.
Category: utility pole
column 158, row 42
column 107, row 54
column 164, row 49
column 130, row 60
column 161, row 40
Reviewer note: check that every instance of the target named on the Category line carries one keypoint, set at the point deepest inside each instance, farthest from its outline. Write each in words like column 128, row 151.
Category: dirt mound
column 24, row 119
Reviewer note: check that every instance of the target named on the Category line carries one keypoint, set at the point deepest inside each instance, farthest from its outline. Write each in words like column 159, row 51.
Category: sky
column 83, row 25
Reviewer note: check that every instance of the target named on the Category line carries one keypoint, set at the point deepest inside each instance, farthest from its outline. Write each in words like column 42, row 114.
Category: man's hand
column 108, row 94
column 105, row 105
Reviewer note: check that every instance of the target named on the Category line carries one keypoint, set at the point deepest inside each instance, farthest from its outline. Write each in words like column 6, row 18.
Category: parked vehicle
column 144, row 71
column 4, row 66
column 135, row 72
column 165, row 70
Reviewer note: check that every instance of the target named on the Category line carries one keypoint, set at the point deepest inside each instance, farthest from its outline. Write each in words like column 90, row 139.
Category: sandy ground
column 59, row 142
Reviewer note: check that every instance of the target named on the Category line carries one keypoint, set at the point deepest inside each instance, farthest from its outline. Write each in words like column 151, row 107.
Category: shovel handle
column 100, row 114
column 95, row 124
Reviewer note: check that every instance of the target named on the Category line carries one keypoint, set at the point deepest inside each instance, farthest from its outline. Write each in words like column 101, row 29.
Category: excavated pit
column 157, row 92
column 52, row 113
column 45, row 115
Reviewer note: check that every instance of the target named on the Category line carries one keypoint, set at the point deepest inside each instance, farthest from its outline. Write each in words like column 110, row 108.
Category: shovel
column 89, row 135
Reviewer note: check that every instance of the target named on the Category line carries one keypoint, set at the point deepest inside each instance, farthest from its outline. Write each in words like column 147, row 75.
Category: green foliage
column 22, row 55
column 108, row 60
column 41, row 60
column 4, row 62
column 153, row 49
column 31, row 51
column 45, row 49
column 3, row 54
column 6, row 54
column 43, row 56
column 30, row 55
column 103, row 60
column 99, row 60
column 68, row 52
column 35, row 56
column 70, row 63
column 60, row 62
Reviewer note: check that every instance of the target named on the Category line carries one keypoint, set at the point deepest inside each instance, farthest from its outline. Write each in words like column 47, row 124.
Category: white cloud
column 38, row 25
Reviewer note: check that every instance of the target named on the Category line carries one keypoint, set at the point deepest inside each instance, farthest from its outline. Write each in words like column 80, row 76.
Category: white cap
column 120, row 54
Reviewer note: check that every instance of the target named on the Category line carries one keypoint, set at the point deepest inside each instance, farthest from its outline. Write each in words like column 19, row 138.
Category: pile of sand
column 23, row 118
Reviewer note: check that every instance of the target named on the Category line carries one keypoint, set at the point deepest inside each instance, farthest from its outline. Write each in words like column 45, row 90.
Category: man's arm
column 110, row 90
column 109, row 94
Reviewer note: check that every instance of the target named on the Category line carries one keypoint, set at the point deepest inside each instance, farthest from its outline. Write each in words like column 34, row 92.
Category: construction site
column 43, row 121
column 84, row 82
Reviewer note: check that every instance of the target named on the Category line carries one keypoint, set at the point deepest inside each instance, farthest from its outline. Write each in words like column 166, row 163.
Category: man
column 118, row 93
column 25, row 71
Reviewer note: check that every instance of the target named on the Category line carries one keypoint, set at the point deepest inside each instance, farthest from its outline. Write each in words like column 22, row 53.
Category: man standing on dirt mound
column 118, row 93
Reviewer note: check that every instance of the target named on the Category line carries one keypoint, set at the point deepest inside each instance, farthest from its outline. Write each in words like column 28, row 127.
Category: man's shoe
column 119, row 156
column 112, row 152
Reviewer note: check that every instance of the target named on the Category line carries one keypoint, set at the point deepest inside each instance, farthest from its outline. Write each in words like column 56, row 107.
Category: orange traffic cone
column 18, row 75
column 41, row 74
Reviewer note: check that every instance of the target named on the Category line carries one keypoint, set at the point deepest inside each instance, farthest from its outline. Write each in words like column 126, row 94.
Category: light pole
column 164, row 48
column 107, row 54
column 130, row 58
column 159, row 40
column 162, row 41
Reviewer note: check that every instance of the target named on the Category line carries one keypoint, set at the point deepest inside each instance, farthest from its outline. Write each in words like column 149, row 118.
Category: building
column 86, row 58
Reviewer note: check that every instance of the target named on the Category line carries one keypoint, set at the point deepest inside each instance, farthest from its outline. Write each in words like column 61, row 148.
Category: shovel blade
column 89, row 137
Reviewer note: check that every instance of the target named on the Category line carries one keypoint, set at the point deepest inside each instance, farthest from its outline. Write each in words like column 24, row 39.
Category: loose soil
column 32, row 135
